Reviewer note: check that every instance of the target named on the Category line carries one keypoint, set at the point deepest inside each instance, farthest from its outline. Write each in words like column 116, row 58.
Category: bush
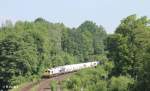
column 53, row 85
column 121, row 83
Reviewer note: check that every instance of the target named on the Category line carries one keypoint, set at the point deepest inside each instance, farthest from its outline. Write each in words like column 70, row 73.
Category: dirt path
column 44, row 85
column 28, row 86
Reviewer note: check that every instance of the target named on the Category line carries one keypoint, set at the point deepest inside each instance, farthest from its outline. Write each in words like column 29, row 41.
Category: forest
column 27, row 49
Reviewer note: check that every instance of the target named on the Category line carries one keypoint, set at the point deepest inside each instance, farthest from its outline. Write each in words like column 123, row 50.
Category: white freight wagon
column 71, row 68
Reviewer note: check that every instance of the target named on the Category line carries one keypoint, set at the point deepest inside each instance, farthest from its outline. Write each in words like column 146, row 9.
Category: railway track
column 44, row 84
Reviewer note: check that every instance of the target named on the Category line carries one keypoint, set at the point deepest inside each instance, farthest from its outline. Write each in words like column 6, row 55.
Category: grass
column 19, row 87
column 34, row 88
column 23, row 85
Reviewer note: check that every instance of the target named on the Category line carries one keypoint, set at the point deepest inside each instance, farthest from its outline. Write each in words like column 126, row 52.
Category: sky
column 72, row 13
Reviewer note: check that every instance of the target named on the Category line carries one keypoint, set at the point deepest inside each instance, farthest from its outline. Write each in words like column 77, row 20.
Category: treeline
column 27, row 49
column 130, row 51
column 128, row 65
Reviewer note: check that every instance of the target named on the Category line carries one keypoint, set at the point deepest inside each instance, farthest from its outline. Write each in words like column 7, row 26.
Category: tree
column 130, row 52
column 143, row 81
column 120, row 83
column 118, row 53
column 28, row 48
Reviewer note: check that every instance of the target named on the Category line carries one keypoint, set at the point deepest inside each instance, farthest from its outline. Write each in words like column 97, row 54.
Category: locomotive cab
column 47, row 73
column 50, row 72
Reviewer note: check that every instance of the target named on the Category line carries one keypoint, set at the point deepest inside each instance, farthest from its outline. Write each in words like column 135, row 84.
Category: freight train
column 69, row 68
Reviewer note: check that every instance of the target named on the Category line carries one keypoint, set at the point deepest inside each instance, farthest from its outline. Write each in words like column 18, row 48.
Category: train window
column 50, row 72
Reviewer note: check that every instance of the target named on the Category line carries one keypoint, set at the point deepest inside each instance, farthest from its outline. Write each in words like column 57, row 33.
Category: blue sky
column 72, row 13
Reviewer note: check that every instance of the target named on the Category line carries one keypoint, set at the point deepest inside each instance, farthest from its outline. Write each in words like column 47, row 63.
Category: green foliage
column 126, row 46
column 63, row 59
column 84, row 41
column 92, row 79
column 129, row 49
column 97, row 79
column 118, row 52
column 53, row 85
column 143, row 82
column 120, row 83
column 101, row 86
column 28, row 48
